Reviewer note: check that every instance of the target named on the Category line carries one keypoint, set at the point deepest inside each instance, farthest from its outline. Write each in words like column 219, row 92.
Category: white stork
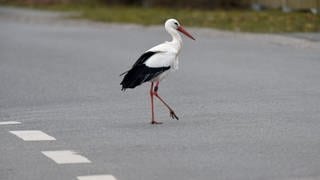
column 155, row 63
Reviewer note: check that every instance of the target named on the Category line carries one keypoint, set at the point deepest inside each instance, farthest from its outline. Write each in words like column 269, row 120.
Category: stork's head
column 174, row 24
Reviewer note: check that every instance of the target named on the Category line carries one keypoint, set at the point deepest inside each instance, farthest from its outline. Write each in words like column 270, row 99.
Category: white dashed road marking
column 33, row 135
column 66, row 157
column 97, row 177
column 9, row 122
column 60, row 157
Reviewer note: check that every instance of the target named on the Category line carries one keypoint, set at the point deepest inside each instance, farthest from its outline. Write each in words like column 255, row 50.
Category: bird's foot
column 173, row 115
column 155, row 122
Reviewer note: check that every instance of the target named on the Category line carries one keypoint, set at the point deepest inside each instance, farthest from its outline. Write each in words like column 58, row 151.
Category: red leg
column 172, row 113
column 152, row 106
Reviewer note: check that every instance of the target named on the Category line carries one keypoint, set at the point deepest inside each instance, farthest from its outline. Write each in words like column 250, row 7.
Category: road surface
column 249, row 104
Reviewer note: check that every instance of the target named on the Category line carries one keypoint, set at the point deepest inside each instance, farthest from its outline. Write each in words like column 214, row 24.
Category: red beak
column 181, row 29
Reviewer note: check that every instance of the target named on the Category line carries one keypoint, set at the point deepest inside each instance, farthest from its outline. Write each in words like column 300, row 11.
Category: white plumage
column 155, row 64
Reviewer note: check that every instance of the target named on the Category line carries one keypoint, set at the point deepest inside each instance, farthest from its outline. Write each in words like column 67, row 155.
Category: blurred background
column 285, row 5
column 261, row 16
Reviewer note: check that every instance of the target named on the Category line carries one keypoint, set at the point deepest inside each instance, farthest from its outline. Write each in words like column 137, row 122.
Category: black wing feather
column 140, row 73
column 144, row 57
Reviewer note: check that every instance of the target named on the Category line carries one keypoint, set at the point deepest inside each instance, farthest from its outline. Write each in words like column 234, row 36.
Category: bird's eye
column 176, row 23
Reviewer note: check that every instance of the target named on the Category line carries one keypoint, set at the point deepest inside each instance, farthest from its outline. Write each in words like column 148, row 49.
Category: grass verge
column 271, row 21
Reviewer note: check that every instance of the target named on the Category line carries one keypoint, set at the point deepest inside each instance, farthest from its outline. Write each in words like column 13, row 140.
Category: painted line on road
column 97, row 177
column 65, row 157
column 9, row 122
column 33, row 135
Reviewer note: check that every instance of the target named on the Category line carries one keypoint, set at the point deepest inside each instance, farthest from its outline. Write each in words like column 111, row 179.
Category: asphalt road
column 249, row 104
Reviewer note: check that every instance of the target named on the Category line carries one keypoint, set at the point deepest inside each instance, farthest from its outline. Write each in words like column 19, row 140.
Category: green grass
column 271, row 21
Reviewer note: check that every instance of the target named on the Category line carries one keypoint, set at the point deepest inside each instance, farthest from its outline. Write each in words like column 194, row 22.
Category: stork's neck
column 176, row 38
